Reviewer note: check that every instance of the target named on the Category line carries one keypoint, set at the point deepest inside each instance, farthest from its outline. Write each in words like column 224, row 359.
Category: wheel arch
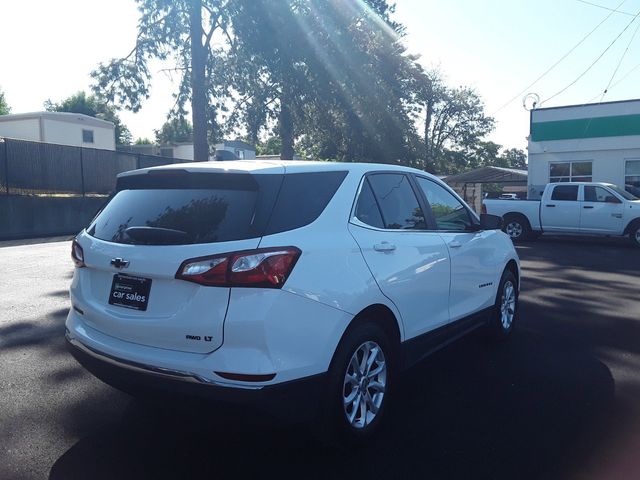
column 384, row 317
column 512, row 266
column 631, row 225
column 518, row 215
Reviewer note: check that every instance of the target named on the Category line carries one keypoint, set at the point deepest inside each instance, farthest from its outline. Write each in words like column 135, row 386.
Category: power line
column 606, row 8
column 517, row 96
column 594, row 62
column 622, row 79
column 620, row 62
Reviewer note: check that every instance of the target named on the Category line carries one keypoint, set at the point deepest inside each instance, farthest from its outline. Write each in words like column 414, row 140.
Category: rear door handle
column 552, row 205
column 455, row 244
column 384, row 247
column 588, row 206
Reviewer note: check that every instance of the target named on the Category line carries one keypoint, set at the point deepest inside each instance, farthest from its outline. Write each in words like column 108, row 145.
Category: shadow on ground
column 517, row 411
column 537, row 406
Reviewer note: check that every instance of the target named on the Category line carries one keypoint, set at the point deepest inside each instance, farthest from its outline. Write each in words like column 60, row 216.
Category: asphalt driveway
column 561, row 399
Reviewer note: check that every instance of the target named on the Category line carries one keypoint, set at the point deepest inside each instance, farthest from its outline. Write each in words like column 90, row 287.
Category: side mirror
column 490, row 222
column 611, row 199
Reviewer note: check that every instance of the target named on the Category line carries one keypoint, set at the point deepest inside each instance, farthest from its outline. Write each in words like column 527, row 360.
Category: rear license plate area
column 130, row 292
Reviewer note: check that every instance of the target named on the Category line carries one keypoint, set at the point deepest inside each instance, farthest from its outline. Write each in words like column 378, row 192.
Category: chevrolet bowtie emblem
column 119, row 263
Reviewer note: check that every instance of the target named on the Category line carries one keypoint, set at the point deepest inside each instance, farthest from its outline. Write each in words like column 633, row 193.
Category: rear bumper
column 290, row 400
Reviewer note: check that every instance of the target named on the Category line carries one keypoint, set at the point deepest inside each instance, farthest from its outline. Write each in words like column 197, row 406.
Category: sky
column 498, row 47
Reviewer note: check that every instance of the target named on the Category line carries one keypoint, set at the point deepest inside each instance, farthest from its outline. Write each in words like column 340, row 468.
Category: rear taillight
column 77, row 254
column 261, row 268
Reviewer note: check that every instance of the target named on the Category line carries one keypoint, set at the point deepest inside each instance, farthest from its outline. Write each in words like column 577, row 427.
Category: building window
column 570, row 172
column 87, row 136
column 632, row 173
column 240, row 154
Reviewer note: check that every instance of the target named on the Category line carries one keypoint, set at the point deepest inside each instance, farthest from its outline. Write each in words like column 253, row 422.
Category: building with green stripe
column 592, row 142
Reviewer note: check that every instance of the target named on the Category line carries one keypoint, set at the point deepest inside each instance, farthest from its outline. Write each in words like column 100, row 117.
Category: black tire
column 517, row 227
column 634, row 234
column 334, row 427
column 500, row 328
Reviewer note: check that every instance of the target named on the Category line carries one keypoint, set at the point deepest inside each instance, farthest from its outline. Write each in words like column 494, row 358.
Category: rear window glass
column 565, row 192
column 170, row 208
column 176, row 208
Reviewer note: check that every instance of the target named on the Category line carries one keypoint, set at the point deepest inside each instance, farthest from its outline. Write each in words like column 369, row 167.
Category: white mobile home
column 592, row 142
column 61, row 128
column 241, row 150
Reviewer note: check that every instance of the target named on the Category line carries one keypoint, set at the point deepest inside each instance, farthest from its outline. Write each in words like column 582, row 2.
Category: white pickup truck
column 578, row 208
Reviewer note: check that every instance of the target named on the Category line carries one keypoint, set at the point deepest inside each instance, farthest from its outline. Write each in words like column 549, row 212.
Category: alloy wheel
column 508, row 305
column 364, row 385
column 514, row 229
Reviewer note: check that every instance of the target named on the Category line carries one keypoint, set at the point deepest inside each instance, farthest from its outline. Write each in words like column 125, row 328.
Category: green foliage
column 454, row 124
column 328, row 78
column 143, row 141
column 271, row 146
column 175, row 130
column 93, row 106
column 5, row 109
column 514, row 158
column 332, row 75
column 168, row 31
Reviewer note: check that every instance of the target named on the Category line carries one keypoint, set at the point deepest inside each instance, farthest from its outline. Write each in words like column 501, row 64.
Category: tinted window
column 156, row 217
column 302, row 199
column 398, row 203
column 367, row 210
column 179, row 207
column 598, row 194
column 448, row 211
column 565, row 192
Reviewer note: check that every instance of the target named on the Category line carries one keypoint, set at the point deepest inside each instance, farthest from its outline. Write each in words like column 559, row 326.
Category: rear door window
column 565, row 193
column 398, row 202
column 367, row 210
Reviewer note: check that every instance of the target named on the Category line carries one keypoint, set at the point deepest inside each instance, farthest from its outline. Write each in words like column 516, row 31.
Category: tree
column 331, row 74
column 180, row 31
column 271, row 146
column 175, row 130
column 514, row 158
column 143, row 141
column 93, row 106
column 455, row 121
column 5, row 109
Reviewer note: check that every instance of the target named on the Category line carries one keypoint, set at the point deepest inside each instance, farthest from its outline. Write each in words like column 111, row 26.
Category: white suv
column 288, row 284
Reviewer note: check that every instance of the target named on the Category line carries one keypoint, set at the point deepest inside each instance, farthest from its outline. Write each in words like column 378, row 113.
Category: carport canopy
column 489, row 175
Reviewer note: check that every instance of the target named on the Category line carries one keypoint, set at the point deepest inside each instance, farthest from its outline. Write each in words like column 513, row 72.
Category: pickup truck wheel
column 634, row 235
column 505, row 312
column 516, row 227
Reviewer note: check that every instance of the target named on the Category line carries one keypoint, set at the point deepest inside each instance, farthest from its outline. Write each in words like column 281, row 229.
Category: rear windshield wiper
column 157, row 236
